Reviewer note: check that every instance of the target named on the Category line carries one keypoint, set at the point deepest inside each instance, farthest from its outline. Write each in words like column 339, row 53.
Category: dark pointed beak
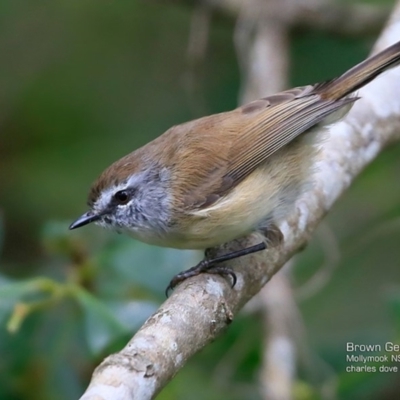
column 85, row 219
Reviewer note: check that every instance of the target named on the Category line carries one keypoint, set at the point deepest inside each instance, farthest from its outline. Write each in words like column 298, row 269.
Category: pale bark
column 336, row 17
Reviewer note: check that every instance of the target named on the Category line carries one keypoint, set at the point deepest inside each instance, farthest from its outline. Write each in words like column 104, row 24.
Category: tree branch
column 202, row 307
column 341, row 18
column 326, row 15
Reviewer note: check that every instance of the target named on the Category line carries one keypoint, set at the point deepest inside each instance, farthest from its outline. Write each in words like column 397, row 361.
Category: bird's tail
column 359, row 75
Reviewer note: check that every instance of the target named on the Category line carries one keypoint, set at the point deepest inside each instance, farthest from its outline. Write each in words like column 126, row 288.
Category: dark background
column 83, row 83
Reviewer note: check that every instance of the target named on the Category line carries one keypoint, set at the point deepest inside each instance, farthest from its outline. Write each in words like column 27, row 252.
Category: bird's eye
column 122, row 197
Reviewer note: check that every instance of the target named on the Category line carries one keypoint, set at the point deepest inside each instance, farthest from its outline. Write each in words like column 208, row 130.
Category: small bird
column 218, row 178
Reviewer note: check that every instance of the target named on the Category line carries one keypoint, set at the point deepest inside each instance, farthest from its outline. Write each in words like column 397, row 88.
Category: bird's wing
column 261, row 128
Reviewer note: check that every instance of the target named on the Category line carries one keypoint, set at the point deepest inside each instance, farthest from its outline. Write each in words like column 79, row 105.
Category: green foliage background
column 84, row 82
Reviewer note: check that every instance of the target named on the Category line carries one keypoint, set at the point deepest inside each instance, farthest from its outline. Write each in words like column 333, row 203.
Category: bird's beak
column 85, row 219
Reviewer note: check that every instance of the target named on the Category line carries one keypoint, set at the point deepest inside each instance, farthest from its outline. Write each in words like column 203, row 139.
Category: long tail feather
column 360, row 75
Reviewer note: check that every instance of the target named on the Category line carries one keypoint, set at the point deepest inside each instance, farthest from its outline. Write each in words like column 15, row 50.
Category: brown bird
column 218, row 178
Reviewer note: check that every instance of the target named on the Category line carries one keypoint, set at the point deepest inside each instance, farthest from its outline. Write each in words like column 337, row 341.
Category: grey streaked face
column 139, row 206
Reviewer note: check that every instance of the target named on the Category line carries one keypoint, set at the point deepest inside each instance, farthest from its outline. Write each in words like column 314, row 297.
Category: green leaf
column 14, row 290
column 132, row 314
column 128, row 262
column 101, row 326
column 12, row 293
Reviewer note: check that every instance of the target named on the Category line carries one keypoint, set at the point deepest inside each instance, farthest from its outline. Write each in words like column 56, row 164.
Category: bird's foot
column 208, row 265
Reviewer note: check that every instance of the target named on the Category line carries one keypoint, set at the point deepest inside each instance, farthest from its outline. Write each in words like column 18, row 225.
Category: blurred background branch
column 343, row 18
